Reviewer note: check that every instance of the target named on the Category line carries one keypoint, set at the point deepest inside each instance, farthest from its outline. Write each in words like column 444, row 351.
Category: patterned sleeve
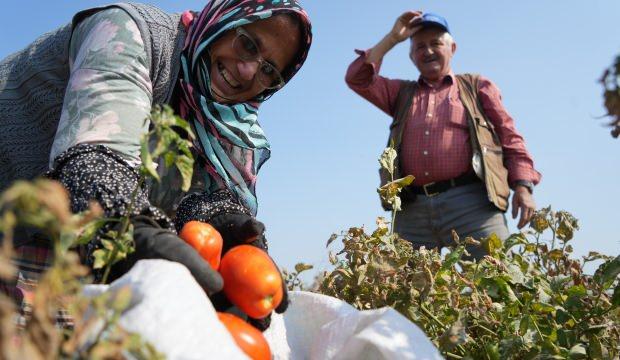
column 109, row 93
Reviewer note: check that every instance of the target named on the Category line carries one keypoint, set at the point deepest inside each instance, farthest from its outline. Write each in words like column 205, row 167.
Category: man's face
column 431, row 53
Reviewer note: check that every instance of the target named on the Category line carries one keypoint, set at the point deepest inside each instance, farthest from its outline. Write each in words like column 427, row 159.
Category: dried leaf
column 301, row 267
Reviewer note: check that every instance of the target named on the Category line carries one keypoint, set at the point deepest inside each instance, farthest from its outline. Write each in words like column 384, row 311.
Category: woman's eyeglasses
column 246, row 48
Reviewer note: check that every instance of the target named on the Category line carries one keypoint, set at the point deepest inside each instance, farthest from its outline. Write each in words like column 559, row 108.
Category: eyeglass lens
column 247, row 50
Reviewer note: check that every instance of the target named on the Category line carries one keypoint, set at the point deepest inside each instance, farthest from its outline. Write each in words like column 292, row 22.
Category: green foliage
column 43, row 207
column 291, row 278
column 169, row 138
column 527, row 299
column 166, row 140
column 390, row 191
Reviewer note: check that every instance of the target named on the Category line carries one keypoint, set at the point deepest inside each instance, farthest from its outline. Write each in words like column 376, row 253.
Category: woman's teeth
column 227, row 77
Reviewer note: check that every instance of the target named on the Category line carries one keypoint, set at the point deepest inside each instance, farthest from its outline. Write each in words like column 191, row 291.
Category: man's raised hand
column 406, row 25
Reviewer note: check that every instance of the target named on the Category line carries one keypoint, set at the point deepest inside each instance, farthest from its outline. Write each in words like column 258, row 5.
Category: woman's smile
column 228, row 77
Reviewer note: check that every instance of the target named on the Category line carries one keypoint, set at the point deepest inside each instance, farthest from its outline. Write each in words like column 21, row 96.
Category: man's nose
column 247, row 69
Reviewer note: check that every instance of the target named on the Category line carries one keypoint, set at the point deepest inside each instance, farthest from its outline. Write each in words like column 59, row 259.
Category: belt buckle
column 426, row 190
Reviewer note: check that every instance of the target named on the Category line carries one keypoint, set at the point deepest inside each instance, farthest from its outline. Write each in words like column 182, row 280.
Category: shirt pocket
column 457, row 116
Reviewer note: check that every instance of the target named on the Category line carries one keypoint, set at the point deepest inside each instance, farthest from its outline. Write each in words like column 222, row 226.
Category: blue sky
column 545, row 57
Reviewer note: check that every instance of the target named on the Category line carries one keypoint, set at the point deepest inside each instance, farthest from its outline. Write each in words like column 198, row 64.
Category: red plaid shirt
column 435, row 142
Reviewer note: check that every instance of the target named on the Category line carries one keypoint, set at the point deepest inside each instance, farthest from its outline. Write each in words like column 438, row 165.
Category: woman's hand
column 238, row 229
column 405, row 26
column 153, row 242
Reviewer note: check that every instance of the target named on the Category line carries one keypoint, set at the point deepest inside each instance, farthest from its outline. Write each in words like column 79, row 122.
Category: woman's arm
column 109, row 93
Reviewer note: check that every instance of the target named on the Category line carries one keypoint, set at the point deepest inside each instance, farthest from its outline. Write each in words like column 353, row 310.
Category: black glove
column 154, row 242
column 239, row 229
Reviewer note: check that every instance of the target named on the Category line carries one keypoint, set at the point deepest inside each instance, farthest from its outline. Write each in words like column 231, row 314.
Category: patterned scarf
column 229, row 138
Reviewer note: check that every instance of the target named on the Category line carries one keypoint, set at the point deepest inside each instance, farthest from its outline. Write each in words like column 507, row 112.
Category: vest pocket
column 496, row 174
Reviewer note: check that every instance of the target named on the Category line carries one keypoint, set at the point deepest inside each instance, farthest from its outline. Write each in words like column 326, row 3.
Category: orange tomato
column 247, row 337
column 205, row 239
column 251, row 280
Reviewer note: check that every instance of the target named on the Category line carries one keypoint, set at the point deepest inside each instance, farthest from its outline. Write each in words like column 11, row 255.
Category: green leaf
column 524, row 325
column 108, row 244
column 615, row 299
column 186, row 168
column 543, row 308
column 169, row 158
column 530, row 247
column 89, row 231
column 492, row 351
column 387, row 159
column 498, row 289
column 492, row 243
column 595, row 350
column 577, row 291
column 607, row 272
column 513, row 240
column 452, row 258
column 147, row 162
column 515, row 274
column 100, row 256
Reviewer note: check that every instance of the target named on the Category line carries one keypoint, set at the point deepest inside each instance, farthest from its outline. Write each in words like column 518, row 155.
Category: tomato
column 205, row 239
column 247, row 337
column 251, row 280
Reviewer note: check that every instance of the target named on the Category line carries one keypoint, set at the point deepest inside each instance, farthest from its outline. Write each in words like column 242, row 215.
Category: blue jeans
column 428, row 221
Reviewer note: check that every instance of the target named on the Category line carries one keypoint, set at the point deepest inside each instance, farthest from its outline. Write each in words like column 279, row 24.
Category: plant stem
column 485, row 329
column 124, row 226
column 430, row 315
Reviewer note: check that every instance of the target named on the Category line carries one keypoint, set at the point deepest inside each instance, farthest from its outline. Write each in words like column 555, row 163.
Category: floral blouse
column 109, row 96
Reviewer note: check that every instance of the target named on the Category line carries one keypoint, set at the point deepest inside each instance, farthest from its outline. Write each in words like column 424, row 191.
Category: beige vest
column 487, row 159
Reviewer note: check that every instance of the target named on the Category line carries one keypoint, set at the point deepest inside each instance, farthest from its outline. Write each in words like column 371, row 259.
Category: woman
column 76, row 99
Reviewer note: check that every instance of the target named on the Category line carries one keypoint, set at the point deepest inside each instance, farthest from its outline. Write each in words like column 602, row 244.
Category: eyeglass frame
column 258, row 58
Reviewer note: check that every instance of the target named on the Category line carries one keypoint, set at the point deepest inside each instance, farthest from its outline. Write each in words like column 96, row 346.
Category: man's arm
column 363, row 73
column 403, row 29
column 518, row 161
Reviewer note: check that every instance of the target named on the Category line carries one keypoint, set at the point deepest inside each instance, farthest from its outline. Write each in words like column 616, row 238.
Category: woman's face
column 234, row 78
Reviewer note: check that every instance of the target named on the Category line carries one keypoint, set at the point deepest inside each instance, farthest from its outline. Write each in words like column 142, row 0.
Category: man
column 452, row 134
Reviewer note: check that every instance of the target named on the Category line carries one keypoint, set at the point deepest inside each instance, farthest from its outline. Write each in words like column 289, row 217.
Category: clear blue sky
column 546, row 58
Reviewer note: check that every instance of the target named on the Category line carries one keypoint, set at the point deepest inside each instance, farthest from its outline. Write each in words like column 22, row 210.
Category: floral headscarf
column 229, row 138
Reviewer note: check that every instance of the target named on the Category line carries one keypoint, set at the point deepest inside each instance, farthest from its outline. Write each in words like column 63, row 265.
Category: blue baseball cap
column 431, row 19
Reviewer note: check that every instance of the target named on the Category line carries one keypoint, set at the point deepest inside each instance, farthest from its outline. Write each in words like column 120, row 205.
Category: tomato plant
column 247, row 337
column 205, row 239
column 251, row 280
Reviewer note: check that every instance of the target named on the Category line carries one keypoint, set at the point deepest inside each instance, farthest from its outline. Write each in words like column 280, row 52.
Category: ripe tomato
column 205, row 239
column 251, row 280
column 247, row 337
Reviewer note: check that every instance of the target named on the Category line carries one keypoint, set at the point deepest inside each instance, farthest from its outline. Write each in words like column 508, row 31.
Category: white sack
column 321, row 327
column 170, row 310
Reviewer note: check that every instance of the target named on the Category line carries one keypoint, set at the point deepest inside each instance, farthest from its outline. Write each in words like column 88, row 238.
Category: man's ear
column 453, row 47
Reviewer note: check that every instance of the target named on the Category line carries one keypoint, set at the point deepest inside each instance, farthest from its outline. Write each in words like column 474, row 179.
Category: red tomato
column 247, row 337
column 251, row 280
column 205, row 239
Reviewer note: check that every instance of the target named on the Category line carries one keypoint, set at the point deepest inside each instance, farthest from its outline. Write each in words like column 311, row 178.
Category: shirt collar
column 448, row 79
